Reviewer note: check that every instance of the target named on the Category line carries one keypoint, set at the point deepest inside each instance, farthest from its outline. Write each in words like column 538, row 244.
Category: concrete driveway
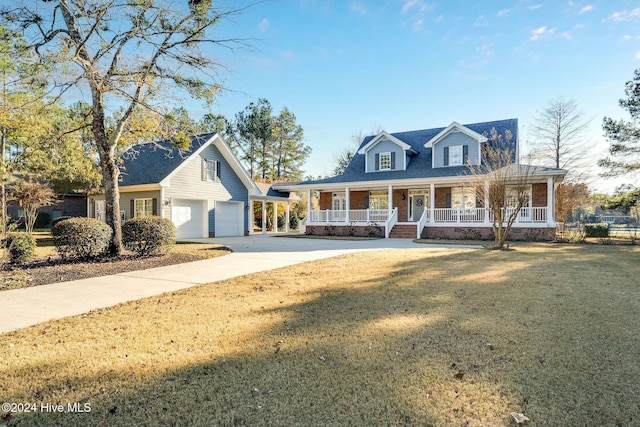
column 30, row 306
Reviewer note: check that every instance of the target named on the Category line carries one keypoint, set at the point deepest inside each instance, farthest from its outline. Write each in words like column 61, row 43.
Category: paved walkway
column 25, row 307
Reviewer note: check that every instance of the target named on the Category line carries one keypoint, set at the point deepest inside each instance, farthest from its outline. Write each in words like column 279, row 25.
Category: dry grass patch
column 403, row 337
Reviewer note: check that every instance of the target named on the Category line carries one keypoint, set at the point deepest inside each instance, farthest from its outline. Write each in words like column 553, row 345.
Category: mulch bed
column 44, row 271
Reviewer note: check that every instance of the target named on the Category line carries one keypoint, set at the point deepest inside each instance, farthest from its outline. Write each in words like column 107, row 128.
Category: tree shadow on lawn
column 389, row 350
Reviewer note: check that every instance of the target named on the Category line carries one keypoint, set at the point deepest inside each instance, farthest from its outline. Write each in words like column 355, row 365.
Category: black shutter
column 366, row 202
column 154, row 206
column 393, row 160
column 377, row 162
column 448, row 201
column 218, row 169
column 446, row 156
column 133, row 209
column 465, row 154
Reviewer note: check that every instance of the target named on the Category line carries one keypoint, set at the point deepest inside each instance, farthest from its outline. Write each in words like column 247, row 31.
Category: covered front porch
column 408, row 210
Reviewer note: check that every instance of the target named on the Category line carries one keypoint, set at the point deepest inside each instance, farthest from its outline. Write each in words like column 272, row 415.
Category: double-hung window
column 385, row 161
column 212, row 172
column 143, row 207
column 456, row 155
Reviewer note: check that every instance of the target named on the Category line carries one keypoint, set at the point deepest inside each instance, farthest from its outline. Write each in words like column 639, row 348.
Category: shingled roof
column 152, row 162
column 420, row 165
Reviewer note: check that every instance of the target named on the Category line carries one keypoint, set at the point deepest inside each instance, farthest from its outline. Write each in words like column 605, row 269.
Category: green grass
column 378, row 338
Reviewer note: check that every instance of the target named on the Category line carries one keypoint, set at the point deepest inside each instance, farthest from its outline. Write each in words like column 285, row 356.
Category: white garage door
column 187, row 215
column 229, row 219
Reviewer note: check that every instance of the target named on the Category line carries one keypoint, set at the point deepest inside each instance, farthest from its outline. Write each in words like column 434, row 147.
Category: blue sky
column 349, row 67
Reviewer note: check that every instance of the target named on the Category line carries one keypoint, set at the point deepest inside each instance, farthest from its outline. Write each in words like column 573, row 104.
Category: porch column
column 432, row 203
column 550, row 203
column 275, row 217
column 286, row 217
column 390, row 199
column 348, row 204
column 308, row 205
column 251, row 219
column 486, row 202
column 264, row 217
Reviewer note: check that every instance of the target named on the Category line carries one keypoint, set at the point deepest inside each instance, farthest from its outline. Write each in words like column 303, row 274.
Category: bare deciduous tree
column 502, row 184
column 559, row 138
column 131, row 56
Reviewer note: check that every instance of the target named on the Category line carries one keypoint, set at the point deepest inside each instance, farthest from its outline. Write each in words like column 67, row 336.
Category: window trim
column 146, row 211
column 456, row 148
column 387, row 156
column 211, row 173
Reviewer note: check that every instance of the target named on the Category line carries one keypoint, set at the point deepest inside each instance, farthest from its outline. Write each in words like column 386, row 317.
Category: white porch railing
column 422, row 222
column 393, row 220
column 354, row 216
column 526, row 215
column 458, row 215
column 441, row 216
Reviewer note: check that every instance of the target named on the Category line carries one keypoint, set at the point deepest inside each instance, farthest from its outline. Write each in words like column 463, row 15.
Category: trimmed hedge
column 148, row 235
column 20, row 247
column 596, row 230
column 60, row 218
column 81, row 237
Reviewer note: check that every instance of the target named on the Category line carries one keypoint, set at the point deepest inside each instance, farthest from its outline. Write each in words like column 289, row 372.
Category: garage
column 229, row 219
column 188, row 217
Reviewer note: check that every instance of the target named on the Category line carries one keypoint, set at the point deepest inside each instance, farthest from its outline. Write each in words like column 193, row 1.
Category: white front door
column 100, row 210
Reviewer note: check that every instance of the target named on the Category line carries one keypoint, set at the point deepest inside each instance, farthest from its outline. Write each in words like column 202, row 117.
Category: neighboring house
column 68, row 204
column 206, row 192
column 418, row 184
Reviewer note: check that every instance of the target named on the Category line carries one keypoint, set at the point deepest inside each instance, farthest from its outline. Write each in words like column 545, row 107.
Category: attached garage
column 189, row 218
column 229, row 219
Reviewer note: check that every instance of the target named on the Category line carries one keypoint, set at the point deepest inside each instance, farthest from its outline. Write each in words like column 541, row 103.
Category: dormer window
column 455, row 155
column 385, row 161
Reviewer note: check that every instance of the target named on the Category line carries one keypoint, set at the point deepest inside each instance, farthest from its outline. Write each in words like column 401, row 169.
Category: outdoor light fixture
column 404, row 196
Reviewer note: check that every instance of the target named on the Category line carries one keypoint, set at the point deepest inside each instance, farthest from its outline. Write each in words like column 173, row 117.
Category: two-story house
column 419, row 184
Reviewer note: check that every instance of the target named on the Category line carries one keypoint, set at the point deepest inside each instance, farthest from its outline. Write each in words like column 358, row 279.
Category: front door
column 416, row 207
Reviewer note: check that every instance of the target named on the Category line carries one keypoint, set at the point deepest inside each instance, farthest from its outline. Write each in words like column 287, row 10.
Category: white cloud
column 264, row 25
column 417, row 26
column 504, row 12
column 420, row 5
column 585, row 9
column 638, row 55
column 578, row 26
column 535, row 7
column 439, row 19
column 481, row 21
column 288, row 55
column 624, row 15
column 541, row 32
column 358, row 8
column 567, row 35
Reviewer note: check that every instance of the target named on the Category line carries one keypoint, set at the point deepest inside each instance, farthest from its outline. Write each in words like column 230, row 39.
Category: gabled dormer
column 455, row 145
column 385, row 153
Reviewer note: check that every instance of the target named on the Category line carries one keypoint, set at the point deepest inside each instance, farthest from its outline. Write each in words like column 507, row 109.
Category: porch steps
column 403, row 231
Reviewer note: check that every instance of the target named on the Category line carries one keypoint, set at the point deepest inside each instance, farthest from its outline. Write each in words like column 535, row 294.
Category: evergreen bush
column 148, row 235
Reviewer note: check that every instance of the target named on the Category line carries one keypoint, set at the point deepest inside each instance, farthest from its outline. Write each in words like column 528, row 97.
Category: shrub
column 20, row 247
column 282, row 221
column 148, row 235
column 470, row 234
column 81, row 237
column 596, row 230
column 60, row 218
column 294, row 222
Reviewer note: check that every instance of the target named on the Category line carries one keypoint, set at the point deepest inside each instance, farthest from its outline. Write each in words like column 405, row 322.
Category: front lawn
column 401, row 337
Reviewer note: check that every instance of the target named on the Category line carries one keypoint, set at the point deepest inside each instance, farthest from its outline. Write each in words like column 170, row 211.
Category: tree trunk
column 3, row 147
column 110, row 174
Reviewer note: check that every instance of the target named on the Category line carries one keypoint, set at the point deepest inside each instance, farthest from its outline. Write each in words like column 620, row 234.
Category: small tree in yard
column 32, row 196
column 501, row 182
